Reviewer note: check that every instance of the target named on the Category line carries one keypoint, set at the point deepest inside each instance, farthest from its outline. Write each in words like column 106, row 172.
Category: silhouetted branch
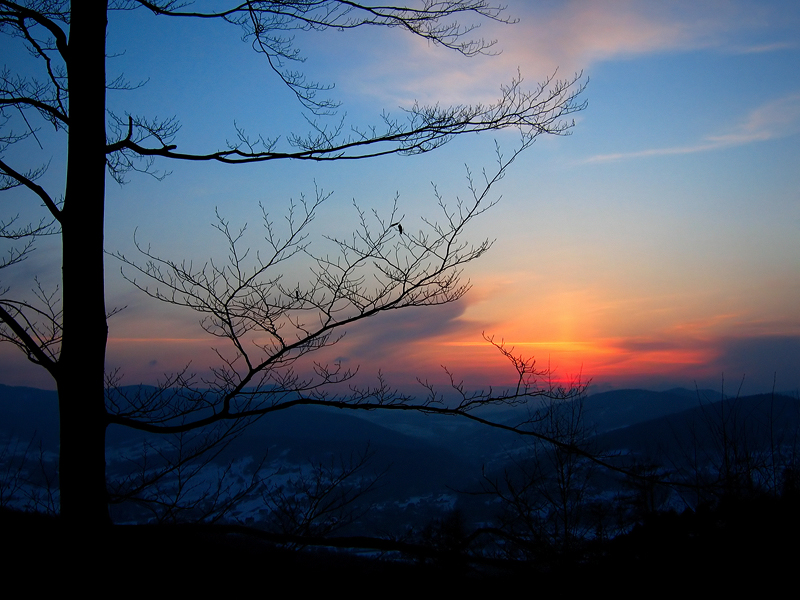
column 323, row 499
column 541, row 111
column 35, row 330
column 270, row 325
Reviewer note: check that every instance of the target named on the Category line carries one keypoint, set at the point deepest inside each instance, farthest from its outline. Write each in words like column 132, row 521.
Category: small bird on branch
column 399, row 227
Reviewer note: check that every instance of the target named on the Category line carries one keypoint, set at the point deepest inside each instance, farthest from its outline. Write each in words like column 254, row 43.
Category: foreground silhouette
column 266, row 332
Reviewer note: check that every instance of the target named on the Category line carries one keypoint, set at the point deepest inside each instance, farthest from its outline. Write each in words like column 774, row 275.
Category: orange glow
column 569, row 361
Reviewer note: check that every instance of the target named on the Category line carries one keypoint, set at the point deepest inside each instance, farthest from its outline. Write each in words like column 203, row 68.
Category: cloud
column 685, row 359
column 776, row 119
column 583, row 33
column 577, row 34
column 652, row 345
column 417, row 342
column 569, row 36
column 761, row 357
column 399, row 334
column 762, row 48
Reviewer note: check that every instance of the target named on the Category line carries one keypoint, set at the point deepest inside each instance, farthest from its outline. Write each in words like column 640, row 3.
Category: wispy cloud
column 583, row 33
column 569, row 36
column 760, row 360
column 776, row 119
column 762, row 48
column 577, row 34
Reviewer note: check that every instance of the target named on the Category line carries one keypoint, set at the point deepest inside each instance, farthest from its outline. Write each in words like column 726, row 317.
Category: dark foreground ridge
column 750, row 542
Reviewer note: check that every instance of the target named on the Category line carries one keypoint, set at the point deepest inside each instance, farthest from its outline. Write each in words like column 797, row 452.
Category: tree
column 544, row 496
column 65, row 331
column 734, row 449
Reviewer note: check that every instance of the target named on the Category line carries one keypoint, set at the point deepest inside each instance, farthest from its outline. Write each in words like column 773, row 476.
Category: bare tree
column 736, row 448
column 544, row 495
column 27, row 477
column 321, row 499
column 65, row 330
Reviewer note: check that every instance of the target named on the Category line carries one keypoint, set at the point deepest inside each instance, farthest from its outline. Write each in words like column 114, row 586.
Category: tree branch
column 23, row 340
column 542, row 111
column 28, row 181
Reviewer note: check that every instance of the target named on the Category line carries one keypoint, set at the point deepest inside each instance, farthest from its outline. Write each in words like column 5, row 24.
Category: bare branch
column 323, row 499
column 35, row 330
column 265, row 23
column 10, row 178
column 270, row 325
column 266, row 327
column 541, row 111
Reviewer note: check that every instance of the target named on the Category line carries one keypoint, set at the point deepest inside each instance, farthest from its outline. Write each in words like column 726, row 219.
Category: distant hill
column 25, row 411
column 753, row 421
column 426, row 458
column 314, row 431
column 622, row 408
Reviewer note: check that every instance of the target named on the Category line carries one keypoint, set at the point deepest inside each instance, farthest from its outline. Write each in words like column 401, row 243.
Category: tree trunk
column 81, row 370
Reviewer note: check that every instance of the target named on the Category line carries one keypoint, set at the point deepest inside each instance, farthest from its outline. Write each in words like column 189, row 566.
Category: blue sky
column 656, row 246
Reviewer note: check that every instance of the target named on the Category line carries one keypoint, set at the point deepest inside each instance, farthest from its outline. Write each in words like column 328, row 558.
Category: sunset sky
column 656, row 246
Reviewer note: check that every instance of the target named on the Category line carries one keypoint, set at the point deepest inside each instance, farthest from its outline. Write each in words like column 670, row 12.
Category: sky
column 657, row 246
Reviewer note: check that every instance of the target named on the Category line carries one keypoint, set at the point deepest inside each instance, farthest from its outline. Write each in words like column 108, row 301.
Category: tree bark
column 80, row 373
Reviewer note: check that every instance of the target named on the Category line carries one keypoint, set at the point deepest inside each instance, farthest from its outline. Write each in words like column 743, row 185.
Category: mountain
column 748, row 424
column 420, row 461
